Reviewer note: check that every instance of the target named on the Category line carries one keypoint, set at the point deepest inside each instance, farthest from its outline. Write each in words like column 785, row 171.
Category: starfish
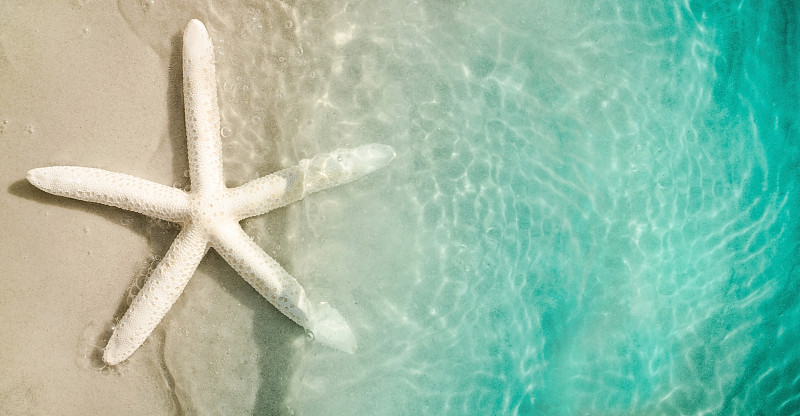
column 209, row 214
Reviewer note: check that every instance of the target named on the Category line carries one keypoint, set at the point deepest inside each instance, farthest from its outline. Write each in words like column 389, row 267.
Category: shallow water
column 593, row 210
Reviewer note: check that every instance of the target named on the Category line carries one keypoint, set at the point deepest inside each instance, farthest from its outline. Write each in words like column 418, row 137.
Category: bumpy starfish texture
column 209, row 214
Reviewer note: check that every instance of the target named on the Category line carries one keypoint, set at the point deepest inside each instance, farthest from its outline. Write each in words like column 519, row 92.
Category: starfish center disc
column 208, row 211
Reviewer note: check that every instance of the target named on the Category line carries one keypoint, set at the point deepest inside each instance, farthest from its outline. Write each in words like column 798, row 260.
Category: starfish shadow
column 272, row 332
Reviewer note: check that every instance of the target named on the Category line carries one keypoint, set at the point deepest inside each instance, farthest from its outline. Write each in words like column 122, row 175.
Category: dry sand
column 78, row 87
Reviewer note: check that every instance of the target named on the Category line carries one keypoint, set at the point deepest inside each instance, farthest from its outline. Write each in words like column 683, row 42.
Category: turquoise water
column 594, row 208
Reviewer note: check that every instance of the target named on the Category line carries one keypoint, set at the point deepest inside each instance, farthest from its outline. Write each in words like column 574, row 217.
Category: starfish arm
column 311, row 175
column 157, row 296
column 201, row 110
column 279, row 288
column 114, row 189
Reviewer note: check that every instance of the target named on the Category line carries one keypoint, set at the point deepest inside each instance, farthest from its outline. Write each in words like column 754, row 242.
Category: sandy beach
column 592, row 209
column 79, row 87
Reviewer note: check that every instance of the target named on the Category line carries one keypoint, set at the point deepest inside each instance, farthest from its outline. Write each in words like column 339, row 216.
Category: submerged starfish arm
column 157, row 295
column 321, row 172
column 279, row 288
column 114, row 189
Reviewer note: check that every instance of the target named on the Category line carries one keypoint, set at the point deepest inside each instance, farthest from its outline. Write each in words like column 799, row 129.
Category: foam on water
column 593, row 209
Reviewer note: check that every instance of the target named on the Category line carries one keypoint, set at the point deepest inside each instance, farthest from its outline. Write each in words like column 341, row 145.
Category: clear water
column 594, row 208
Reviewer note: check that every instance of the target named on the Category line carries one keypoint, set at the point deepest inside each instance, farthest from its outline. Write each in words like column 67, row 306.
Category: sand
column 77, row 85
column 80, row 88
column 592, row 210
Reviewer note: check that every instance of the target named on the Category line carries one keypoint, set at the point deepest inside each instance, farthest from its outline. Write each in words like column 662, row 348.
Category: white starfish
column 209, row 214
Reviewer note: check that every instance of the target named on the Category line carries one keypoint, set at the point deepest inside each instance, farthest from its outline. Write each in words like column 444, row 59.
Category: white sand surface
column 79, row 87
